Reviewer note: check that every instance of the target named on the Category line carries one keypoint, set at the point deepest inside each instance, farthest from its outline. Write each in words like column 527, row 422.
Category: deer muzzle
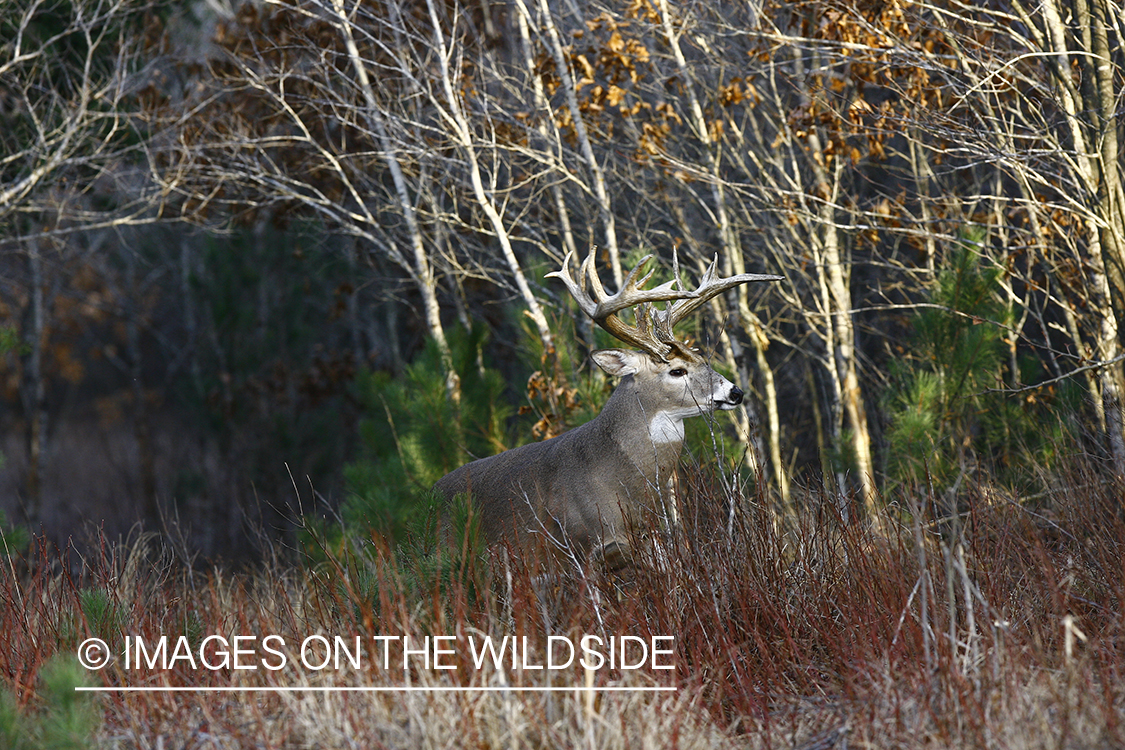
column 733, row 399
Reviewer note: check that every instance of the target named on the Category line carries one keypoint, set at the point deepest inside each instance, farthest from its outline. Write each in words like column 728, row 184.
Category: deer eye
column 679, row 372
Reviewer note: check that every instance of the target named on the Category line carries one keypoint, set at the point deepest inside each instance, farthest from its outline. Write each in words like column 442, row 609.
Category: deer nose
column 735, row 395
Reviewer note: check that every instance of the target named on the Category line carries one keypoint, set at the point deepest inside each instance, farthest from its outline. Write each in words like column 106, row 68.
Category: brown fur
column 585, row 487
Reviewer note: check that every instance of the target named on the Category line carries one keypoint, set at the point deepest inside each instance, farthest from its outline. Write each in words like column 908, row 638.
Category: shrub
column 948, row 414
column 414, row 434
column 68, row 718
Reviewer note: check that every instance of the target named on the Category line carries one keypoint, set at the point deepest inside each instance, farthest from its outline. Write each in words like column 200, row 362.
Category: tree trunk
column 142, row 434
column 464, row 136
column 733, row 263
column 422, row 271
column 1111, row 204
column 1092, row 122
column 844, row 359
column 35, row 386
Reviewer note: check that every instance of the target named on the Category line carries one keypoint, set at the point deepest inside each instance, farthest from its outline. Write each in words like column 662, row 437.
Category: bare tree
column 1024, row 100
column 846, row 146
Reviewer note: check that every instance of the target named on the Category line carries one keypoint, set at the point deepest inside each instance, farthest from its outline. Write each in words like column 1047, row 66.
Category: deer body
column 582, row 490
column 584, row 487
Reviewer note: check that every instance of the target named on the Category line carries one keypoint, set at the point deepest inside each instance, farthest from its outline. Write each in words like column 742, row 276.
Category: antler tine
column 576, row 289
column 603, row 308
column 588, row 274
column 653, row 330
column 630, row 294
column 709, row 287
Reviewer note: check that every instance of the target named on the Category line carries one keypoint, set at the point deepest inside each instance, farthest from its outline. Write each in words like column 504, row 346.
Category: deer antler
column 603, row 308
column 710, row 286
column 653, row 331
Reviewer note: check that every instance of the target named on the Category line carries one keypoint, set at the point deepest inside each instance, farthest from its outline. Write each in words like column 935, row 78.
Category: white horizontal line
column 403, row 689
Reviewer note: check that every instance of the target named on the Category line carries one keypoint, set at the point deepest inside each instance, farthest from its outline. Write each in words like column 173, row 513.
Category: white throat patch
column 666, row 427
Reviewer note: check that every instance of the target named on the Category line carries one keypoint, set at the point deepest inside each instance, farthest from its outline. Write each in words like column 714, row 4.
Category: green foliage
column 68, row 718
column 12, row 538
column 447, row 552
column 97, row 614
column 268, row 294
column 10, row 341
column 11, row 731
column 947, row 411
column 415, row 433
column 105, row 618
column 191, row 626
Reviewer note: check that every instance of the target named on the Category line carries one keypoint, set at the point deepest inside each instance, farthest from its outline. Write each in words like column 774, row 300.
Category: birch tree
column 1025, row 98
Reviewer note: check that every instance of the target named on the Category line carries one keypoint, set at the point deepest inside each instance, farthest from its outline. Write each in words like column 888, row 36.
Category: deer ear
column 618, row 362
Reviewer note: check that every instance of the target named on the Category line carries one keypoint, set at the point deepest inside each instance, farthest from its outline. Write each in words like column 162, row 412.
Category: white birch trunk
column 460, row 127
column 422, row 272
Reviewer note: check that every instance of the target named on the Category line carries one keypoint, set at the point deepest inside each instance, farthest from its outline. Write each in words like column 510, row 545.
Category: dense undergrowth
column 1002, row 627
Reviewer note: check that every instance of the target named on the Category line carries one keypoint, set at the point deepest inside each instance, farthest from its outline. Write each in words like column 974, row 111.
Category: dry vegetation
column 1003, row 628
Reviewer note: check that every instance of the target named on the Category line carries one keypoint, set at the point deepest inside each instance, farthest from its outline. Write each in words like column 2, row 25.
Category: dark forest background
column 269, row 260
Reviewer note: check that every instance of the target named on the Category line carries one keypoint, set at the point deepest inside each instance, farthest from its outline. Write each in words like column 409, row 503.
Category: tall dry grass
column 998, row 626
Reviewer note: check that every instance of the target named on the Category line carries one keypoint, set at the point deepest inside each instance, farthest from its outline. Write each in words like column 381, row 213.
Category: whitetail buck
column 582, row 489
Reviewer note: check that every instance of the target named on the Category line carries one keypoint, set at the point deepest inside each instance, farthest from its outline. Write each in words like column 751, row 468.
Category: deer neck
column 665, row 428
column 650, row 438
